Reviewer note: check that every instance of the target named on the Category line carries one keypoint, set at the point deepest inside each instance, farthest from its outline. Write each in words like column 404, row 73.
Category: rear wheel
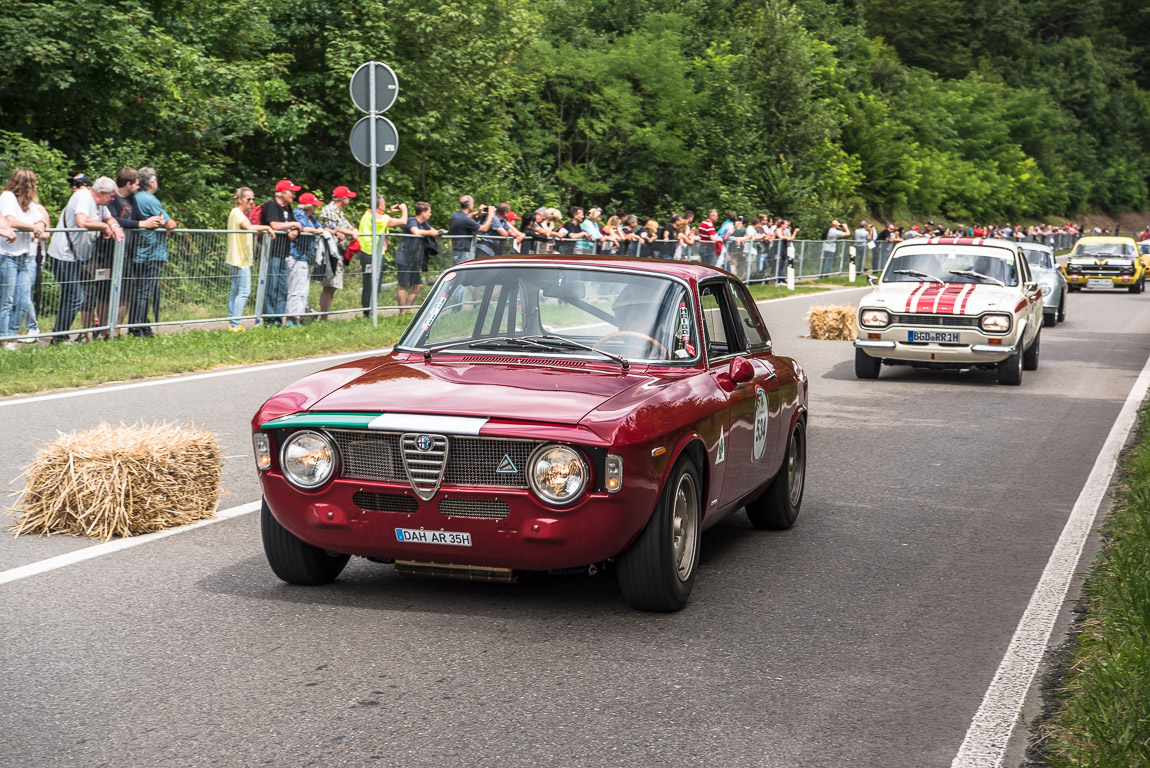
column 1030, row 356
column 866, row 367
column 296, row 561
column 778, row 507
column 658, row 571
column 1010, row 370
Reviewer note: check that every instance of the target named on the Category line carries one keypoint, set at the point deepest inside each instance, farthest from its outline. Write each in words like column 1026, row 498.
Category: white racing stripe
column 990, row 730
column 107, row 548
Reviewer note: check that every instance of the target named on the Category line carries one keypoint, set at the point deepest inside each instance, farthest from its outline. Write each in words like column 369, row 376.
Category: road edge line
column 108, row 547
column 993, row 723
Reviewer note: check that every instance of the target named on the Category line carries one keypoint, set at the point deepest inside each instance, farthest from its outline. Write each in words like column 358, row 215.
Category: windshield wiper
column 916, row 273
column 562, row 343
column 489, row 342
column 972, row 273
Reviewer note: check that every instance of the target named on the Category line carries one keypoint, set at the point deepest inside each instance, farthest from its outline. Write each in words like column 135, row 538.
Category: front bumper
column 1116, row 281
column 972, row 348
column 530, row 536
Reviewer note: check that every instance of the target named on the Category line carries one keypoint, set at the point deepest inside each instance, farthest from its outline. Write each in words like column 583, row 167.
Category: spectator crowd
column 308, row 239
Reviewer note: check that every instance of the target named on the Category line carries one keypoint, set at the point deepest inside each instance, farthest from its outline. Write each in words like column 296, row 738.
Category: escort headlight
column 558, row 474
column 995, row 323
column 874, row 318
column 308, row 459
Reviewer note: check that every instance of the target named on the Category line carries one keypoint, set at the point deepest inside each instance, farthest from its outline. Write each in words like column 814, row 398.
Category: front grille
column 424, row 465
column 488, row 509
column 954, row 321
column 470, row 460
column 385, row 502
column 1100, row 271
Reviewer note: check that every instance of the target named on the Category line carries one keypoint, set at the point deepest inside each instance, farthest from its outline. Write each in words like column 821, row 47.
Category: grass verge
column 39, row 368
column 1101, row 715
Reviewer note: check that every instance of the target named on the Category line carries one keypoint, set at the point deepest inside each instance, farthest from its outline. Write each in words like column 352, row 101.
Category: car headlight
column 558, row 474
column 1047, row 289
column 308, row 459
column 995, row 323
column 874, row 318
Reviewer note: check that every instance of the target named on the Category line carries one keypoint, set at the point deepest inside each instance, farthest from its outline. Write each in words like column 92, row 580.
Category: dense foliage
column 966, row 109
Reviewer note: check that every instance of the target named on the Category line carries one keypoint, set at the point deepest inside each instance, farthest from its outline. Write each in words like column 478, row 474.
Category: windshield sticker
column 685, row 329
column 761, row 412
column 435, row 310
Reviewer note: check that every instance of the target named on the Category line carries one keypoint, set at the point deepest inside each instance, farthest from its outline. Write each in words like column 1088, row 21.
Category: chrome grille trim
column 424, row 480
column 487, row 509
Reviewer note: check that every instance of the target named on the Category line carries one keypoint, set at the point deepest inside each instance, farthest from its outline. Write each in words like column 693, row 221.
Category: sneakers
column 289, row 324
column 235, row 328
column 30, row 338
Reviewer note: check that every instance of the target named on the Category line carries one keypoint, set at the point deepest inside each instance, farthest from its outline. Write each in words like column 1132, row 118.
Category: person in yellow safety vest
column 382, row 221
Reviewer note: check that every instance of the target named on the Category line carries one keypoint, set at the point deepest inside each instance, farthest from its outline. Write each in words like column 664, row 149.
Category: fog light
column 614, row 480
column 263, row 450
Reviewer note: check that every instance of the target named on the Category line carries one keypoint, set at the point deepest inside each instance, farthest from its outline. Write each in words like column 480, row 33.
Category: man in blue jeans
column 151, row 253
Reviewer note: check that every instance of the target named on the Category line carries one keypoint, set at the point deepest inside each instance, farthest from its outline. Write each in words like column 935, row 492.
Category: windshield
column 955, row 266
column 1103, row 250
column 557, row 310
column 1036, row 257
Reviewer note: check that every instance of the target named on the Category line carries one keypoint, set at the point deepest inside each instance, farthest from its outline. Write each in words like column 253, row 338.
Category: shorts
column 408, row 277
column 335, row 280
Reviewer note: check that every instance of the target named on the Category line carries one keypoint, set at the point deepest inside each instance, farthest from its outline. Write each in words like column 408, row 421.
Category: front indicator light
column 995, row 323
column 263, row 450
column 614, row 480
column 874, row 318
column 558, row 474
column 308, row 459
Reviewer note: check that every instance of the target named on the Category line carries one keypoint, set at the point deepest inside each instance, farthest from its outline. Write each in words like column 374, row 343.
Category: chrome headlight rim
column 997, row 332
column 284, row 466
column 863, row 313
column 542, row 495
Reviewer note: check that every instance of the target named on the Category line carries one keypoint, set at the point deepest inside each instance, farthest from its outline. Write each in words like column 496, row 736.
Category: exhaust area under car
column 457, row 572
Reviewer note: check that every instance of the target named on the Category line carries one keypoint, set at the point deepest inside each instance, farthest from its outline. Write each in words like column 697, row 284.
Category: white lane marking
column 108, row 547
column 194, row 377
column 990, row 730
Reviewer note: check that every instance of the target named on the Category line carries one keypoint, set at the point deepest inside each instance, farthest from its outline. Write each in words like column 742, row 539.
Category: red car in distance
column 542, row 414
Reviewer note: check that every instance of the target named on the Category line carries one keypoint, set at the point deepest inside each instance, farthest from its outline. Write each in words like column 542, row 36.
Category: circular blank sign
column 386, row 87
column 386, row 141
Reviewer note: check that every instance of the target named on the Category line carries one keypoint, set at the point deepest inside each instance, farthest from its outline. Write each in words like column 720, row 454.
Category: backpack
column 256, row 214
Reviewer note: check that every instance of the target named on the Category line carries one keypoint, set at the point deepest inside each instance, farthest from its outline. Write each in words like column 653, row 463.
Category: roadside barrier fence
column 180, row 277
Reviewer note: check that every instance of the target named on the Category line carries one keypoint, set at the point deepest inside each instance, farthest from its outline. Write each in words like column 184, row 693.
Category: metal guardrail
column 180, row 277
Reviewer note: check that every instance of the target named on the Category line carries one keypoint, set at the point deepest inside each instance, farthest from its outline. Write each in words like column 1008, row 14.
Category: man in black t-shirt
column 463, row 229
column 666, row 239
column 409, row 256
column 277, row 214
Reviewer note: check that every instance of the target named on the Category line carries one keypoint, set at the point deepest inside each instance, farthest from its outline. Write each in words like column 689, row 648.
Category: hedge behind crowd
column 972, row 110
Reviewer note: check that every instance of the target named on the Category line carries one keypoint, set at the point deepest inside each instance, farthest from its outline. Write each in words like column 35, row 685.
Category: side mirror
column 1031, row 286
column 740, row 370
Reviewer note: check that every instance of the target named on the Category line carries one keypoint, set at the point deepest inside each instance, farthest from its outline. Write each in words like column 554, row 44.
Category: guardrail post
column 852, row 252
column 262, row 284
column 791, row 267
column 117, row 282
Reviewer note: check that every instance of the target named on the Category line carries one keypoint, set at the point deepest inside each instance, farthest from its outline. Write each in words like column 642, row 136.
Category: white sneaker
column 30, row 338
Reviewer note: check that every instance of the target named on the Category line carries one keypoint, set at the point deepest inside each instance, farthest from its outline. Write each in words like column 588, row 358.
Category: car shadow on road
column 378, row 586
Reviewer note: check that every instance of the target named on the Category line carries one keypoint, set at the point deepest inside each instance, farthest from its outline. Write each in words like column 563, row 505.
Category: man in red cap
column 277, row 214
column 333, row 217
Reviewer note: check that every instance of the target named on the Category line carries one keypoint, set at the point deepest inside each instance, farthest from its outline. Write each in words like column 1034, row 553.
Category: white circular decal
column 760, row 422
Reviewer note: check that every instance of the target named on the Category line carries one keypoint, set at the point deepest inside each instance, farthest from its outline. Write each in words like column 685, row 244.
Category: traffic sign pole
column 374, row 206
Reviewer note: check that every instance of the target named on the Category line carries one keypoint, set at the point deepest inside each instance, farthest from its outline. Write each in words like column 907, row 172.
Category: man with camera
column 463, row 228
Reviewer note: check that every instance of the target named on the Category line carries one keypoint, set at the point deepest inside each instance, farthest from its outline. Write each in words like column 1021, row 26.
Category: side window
column 758, row 339
column 714, row 328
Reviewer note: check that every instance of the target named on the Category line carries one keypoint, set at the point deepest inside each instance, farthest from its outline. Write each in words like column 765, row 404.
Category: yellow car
column 1105, row 262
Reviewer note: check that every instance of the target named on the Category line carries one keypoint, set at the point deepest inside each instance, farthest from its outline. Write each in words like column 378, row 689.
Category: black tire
column 1050, row 318
column 1010, row 370
column 1030, row 356
column 658, row 571
column 1072, row 287
column 1062, row 309
column 866, row 367
column 295, row 561
column 778, row 507
column 1136, row 288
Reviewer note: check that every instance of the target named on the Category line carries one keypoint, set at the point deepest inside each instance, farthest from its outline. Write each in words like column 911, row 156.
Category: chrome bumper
column 860, row 344
column 987, row 348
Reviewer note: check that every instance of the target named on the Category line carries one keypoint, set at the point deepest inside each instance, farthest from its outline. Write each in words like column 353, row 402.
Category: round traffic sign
column 386, row 87
column 386, row 141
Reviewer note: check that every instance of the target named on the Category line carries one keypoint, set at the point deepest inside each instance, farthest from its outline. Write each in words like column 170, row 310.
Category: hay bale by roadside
column 121, row 481
column 834, row 323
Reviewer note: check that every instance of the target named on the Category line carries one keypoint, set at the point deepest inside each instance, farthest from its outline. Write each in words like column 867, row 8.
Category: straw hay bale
column 834, row 323
column 121, row 481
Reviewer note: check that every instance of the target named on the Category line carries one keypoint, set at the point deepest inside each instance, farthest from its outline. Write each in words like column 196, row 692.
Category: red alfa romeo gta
column 543, row 414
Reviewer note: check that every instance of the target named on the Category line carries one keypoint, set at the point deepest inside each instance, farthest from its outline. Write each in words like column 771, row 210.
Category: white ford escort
column 952, row 303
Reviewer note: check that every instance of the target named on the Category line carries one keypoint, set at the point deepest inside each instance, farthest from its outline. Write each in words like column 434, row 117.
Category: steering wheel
column 642, row 336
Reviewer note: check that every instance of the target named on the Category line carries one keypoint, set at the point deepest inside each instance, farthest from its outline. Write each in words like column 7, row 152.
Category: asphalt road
column 865, row 636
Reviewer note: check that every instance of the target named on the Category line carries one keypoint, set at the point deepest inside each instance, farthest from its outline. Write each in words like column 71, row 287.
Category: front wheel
column 658, row 571
column 866, row 367
column 1030, row 356
column 778, row 507
column 296, row 561
column 1010, row 370
column 1062, row 309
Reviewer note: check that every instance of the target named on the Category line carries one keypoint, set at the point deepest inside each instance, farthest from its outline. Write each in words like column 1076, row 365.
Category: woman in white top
column 23, row 227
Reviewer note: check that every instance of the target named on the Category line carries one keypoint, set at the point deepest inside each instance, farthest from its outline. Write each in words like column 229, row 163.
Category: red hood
column 492, row 390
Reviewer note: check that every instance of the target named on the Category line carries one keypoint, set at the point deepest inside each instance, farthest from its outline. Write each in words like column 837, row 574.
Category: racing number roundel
column 760, row 422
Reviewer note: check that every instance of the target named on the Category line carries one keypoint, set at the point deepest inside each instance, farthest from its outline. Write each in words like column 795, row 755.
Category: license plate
column 448, row 538
column 935, row 336
column 1096, row 283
